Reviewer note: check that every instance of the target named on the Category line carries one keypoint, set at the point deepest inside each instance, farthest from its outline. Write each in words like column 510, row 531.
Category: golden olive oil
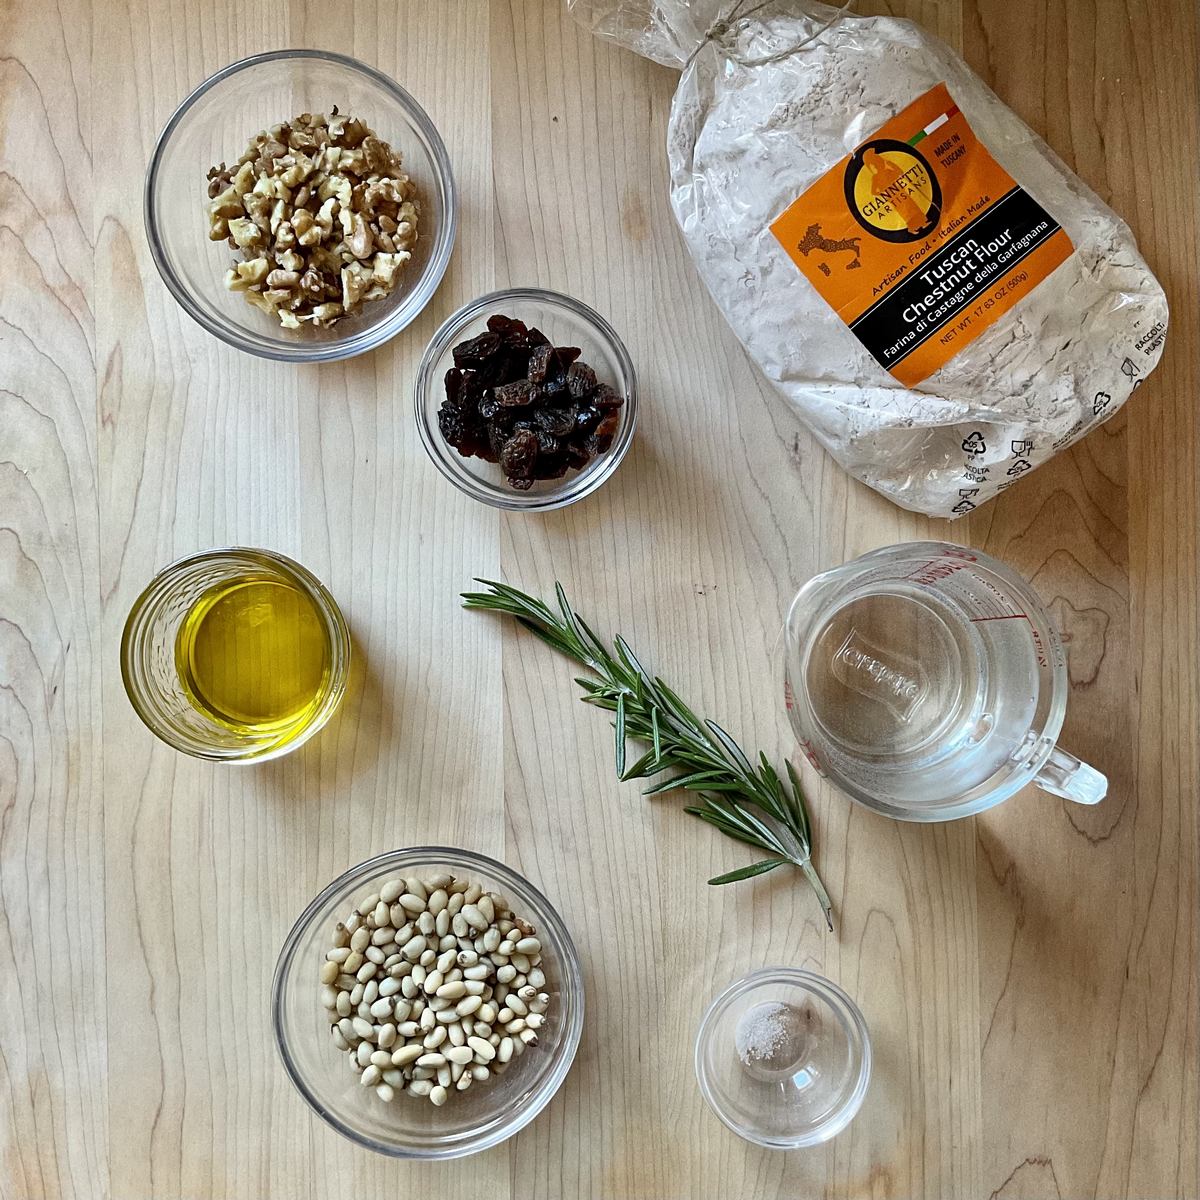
column 253, row 654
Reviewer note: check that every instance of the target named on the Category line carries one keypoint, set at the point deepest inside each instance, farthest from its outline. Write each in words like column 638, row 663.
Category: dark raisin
column 477, row 351
column 456, row 386
column 497, row 435
column 587, row 417
column 548, row 444
column 460, row 431
column 518, row 394
column 539, row 362
column 577, row 456
column 499, row 323
column 519, row 455
column 581, row 380
column 521, row 483
column 566, row 355
column 600, row 441
column 550, row 468
column 525, row 424
column 535, row 337
column 555, row 389
column 607, row 397
column 558, row 421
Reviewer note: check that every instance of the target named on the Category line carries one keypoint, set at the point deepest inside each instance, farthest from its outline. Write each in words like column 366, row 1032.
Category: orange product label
column 919, row 239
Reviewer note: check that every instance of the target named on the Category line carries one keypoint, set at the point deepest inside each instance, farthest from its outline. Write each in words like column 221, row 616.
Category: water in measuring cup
column 915, row 698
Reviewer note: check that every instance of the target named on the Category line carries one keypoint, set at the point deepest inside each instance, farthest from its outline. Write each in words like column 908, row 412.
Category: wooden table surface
column 1029, row 976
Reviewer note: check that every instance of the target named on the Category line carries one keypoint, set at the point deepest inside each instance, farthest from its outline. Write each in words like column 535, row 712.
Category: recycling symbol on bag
column 973, row 443
column 1100, row 403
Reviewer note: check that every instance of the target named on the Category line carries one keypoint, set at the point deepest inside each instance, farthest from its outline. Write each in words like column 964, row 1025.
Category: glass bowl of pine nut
column 465, row 920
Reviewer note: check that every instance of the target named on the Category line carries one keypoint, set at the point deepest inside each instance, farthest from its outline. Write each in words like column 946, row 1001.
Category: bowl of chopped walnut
column 300, row 206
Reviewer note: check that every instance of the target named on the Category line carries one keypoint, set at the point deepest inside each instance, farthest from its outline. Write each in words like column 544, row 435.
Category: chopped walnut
column 322, row 213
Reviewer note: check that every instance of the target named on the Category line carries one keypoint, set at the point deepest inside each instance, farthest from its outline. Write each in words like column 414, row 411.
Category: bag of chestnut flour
column 942, row 301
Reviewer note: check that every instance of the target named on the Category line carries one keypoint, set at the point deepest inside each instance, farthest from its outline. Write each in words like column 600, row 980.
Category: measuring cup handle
column 1065, row 775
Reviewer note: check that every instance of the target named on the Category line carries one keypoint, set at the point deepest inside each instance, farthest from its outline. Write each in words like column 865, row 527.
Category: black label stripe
column 957, row 311
column 1003, row 225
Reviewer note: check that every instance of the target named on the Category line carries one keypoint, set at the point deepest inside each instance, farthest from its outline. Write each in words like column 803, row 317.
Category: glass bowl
column 411, row 1127
column 215, row 123
column 150, row 654
column 812, row 1086
column 566, row 322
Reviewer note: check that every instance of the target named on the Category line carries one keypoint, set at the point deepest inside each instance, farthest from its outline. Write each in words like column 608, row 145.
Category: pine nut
column 434, row 1038
column 537, row 977
column 441, row 924
column 362, row 1054
column 432, row 1059
column 407, row 1054
column 534, row 1021
column 385, row 1092
column 437, row 1095
column 457, row 1037
column 420, row 1087
column 371, row 1076
column 363, row 1029
column 437, row 901
column 480, row 1071
column 505, row 1050
column 383, row 935
column 390, row 892
column 365, row 972
column 329, row 996
column 407, row 1029
column 341, row 936
column 517, row 1005
column 460, row 1054
column 483, row 1050
column 412, row 904
column 370, row 992
column 368, row 903
column 387, row 1037
column 441, row 880
column 414, row 887
column 451, row 991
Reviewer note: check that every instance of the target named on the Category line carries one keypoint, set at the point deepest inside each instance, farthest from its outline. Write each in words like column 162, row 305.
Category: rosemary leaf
column 758, row 868
column 620, row 728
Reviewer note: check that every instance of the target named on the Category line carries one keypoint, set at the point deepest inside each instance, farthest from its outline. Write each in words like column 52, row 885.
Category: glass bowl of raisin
column 526, row 399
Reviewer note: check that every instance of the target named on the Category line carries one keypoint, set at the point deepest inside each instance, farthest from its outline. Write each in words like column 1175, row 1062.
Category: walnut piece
column 322, row 213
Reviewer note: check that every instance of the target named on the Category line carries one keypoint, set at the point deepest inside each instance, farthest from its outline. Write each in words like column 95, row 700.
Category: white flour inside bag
column 944, row 303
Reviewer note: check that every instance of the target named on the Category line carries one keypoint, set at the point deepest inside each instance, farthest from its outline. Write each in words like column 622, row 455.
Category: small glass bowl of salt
column 783, row 1057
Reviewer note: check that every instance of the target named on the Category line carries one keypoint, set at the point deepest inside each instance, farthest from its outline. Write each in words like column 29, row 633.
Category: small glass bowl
column 150, row 672
column 566, row 322
column 215, row 123
column 801, row 1103
column 409, row 1127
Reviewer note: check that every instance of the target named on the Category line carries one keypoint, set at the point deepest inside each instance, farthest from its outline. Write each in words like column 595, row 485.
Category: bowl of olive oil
column 236, row 654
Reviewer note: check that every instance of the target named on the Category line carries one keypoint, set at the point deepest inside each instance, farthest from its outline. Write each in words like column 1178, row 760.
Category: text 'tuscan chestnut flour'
column 944, row 303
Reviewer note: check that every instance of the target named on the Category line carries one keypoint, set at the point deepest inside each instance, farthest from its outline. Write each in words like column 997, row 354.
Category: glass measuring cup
column 927, row 681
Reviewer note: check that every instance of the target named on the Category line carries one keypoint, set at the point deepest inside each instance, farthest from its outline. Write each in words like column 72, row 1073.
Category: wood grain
column 1030, row 976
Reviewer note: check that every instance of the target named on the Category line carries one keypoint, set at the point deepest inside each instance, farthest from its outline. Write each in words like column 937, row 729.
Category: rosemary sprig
column 746, row 802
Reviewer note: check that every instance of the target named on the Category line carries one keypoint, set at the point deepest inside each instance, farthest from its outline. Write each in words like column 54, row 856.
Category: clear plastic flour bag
column 942, row 301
